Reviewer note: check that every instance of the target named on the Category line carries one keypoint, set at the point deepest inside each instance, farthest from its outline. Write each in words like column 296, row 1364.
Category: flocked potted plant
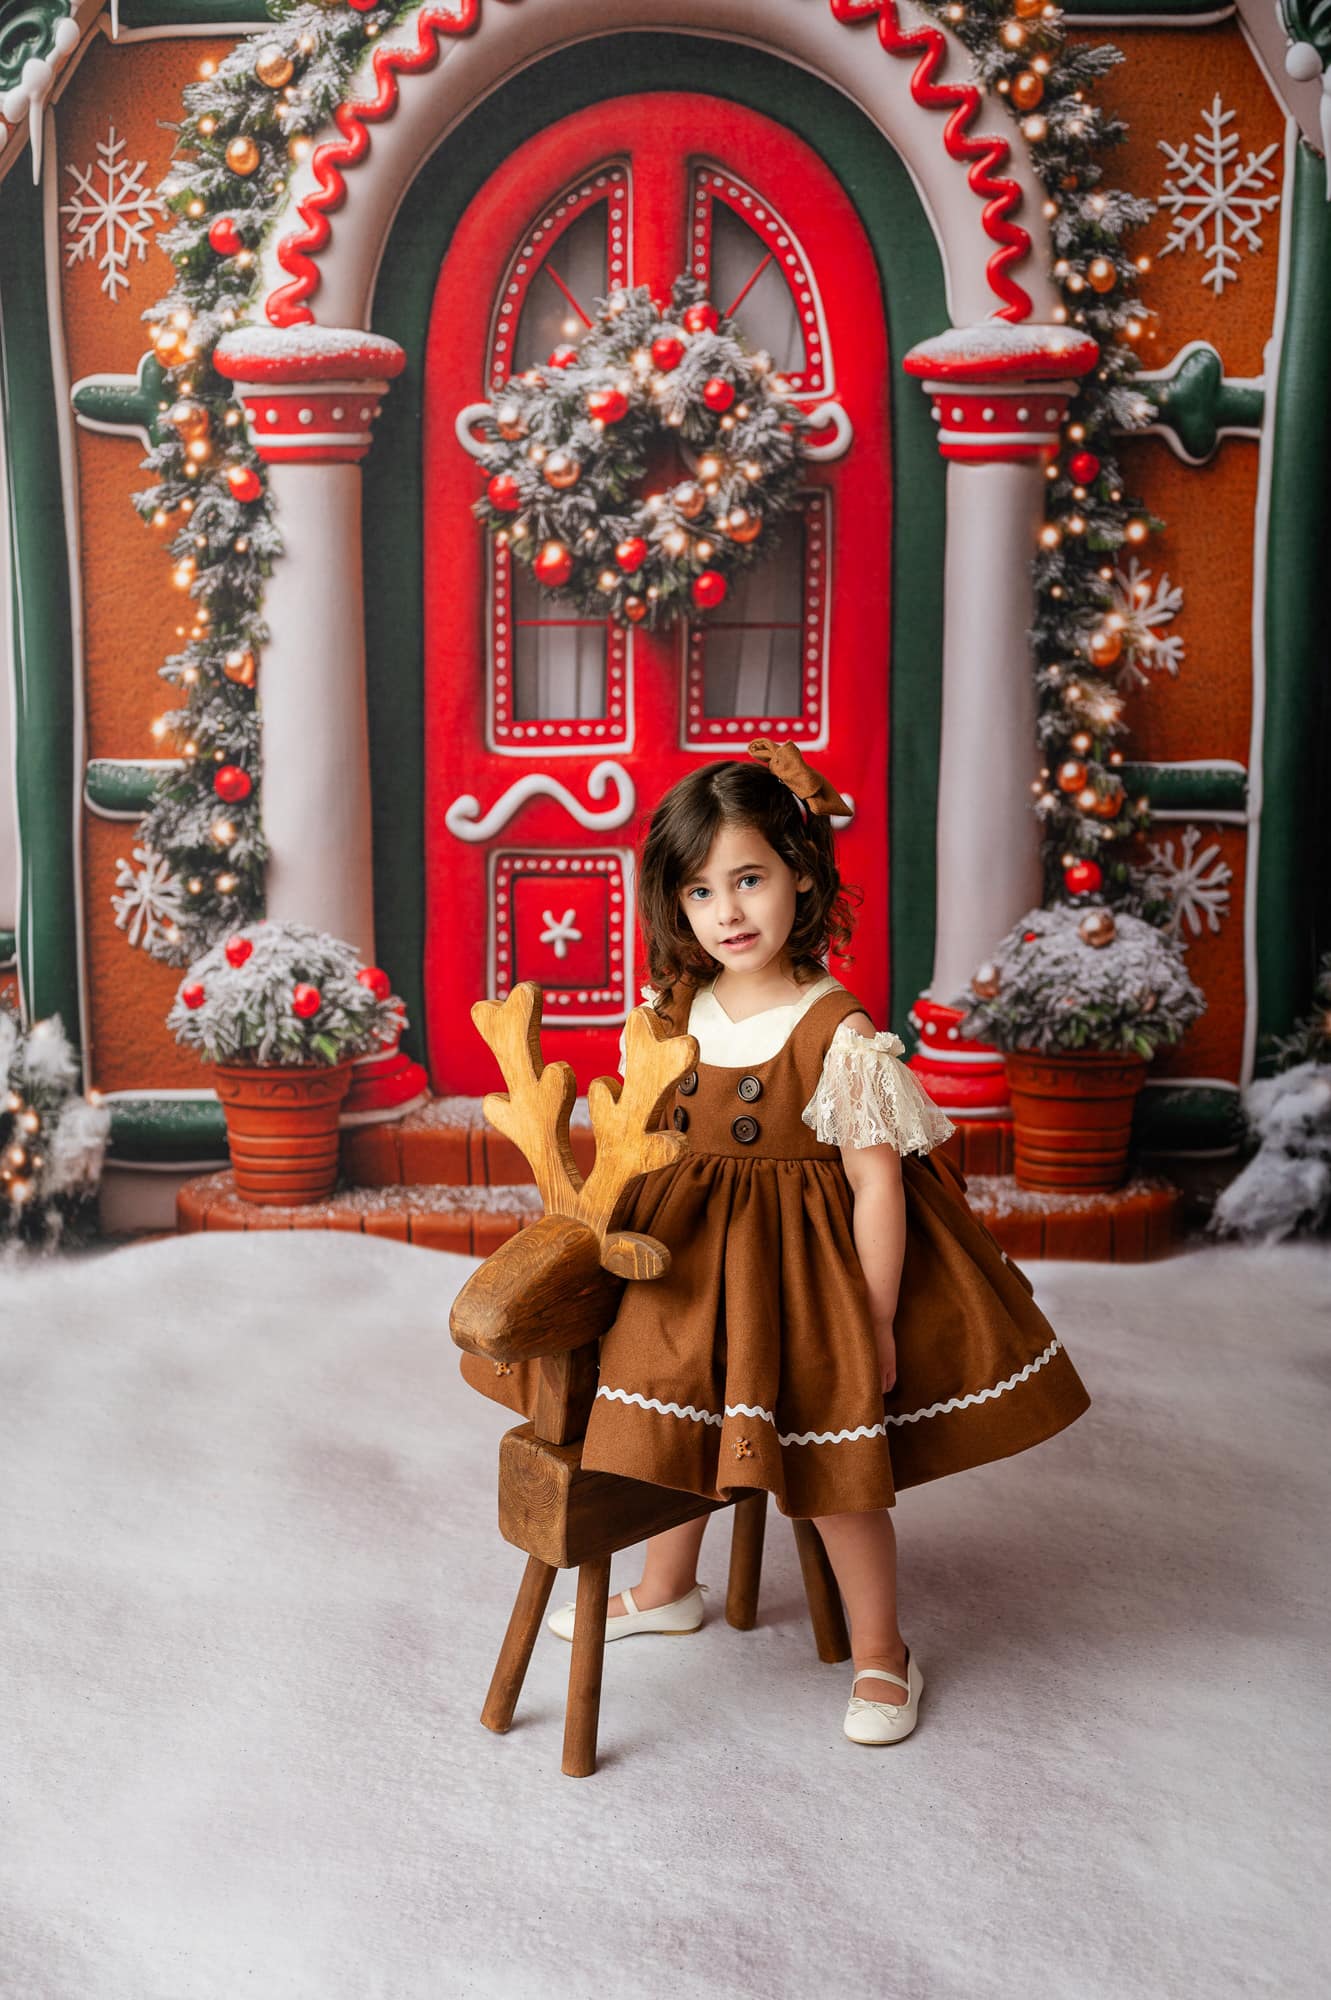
column 282, row 1012
column 1079, row 1000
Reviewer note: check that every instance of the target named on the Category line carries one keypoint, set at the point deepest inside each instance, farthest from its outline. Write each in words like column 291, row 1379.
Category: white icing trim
column 69, row 487
column 1272, row 359
column 464, row 818
column 631, row 1396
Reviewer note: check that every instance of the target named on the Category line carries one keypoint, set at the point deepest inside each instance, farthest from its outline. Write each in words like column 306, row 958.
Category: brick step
column 1129, row 1225
column 470, row 1220
column 1132, row 1224
column 448, row 1141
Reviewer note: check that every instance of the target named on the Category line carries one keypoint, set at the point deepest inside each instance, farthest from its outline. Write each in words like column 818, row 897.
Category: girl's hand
column 887, row 1356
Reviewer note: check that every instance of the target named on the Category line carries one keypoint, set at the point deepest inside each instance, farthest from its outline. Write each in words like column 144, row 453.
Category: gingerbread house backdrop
column 454, row 774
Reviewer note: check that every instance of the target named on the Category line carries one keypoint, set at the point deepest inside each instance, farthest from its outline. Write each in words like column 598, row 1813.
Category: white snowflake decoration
column 1196, row 883
column 1212, row 195
column 560, row 932
column 150, row 902
column 123, row 212
column 1142, row 609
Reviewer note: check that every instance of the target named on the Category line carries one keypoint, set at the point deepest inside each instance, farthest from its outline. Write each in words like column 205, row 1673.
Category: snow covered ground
column 253, row 1590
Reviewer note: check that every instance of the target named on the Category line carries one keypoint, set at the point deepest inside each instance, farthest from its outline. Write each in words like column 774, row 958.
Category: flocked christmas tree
column 52, row 1139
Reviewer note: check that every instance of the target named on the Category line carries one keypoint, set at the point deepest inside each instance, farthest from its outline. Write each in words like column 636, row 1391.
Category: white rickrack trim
column 983, row 1395
column 666, row 1409
column 829, row 1437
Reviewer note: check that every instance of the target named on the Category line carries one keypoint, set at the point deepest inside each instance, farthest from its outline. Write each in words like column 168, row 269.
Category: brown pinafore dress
column 753, row 1361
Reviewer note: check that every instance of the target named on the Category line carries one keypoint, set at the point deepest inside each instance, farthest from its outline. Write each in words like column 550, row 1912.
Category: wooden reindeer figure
column 529, row 1321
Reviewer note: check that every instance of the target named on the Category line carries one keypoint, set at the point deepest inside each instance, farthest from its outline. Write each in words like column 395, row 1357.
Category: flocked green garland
column 210, row 491
column 1080, row 632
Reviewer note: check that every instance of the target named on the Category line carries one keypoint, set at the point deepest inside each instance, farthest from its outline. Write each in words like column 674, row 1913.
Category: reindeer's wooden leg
column 584, row 1672
column 820, row 1587
column 515, row 1653
column 746, row 1561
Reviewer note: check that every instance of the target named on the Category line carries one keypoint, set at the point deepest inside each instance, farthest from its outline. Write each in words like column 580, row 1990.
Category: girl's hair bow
column 816, row 793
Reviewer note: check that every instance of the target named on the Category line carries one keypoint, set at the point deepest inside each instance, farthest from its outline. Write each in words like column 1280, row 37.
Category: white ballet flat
column 885, row 1721
column 684, row 1615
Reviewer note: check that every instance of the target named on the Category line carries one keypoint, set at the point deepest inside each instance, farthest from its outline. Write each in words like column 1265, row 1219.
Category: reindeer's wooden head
column 553, row 1286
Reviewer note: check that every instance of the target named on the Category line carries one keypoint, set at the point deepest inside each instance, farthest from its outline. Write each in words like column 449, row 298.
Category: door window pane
column 558, row 657
column 762, row 662
column 573, row 275
column 766, row 311
column 751, row 655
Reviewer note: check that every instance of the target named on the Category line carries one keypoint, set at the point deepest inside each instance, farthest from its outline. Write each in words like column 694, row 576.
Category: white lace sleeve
column 648, row 995
column 866, row 1096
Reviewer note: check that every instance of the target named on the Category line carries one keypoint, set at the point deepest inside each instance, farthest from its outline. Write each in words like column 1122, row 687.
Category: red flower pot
column 282, row 1128
column 1072, row 1116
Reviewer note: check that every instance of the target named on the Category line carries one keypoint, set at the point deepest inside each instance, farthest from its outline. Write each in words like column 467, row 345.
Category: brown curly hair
column 683, row 827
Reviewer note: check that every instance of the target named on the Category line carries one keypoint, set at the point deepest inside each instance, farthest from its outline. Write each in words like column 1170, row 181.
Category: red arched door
column 550, row 737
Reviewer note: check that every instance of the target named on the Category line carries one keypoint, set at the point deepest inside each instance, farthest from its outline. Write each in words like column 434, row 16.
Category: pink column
column 1000, row 396
column 310, row 396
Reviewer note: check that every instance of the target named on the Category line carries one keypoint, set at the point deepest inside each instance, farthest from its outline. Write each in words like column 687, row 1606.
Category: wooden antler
column 623, row 1115
column 535, row 1111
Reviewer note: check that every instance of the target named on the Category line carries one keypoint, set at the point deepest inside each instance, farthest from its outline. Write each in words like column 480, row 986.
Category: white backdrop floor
column 253, row 1591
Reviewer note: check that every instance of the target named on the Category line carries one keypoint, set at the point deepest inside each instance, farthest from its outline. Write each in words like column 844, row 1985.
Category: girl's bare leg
column 862, row 1549
column 669, row 1570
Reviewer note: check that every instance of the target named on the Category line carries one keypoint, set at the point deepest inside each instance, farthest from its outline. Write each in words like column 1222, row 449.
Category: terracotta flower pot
column 1072, row 1114
column 282, row 1128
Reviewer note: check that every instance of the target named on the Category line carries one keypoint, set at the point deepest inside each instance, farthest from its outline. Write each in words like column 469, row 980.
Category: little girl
column 835, row 1324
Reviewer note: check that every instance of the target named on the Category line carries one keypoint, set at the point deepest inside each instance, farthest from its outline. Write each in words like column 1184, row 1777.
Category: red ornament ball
column 376, row 979
column 632, row 554
column 1084, row 467
column 232, row 784
column 364, row 6
column 553, row 565
column 504, row 493
column 306, row 1002
column 244, row 482
column 702, row 318
column 667, row 352
column 224, row 237
column 717, row 393
column 563, row 357
column 192, row 996
column 1029, row 937
column 635, row 610
column 708, row 589
column 1083, row 878
column 237, row 950
column 610, row 405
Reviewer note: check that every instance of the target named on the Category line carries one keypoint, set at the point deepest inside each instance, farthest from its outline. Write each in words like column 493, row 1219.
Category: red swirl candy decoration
column 288, row 306
column 986, row 155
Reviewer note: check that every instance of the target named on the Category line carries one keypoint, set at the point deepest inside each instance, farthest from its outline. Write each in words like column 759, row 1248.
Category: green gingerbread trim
column 1294, row 849
column 1187, row 1118
column 1198, row 404
column 124, row 787
column 42, row 624
column 1193, row 788
column 168, row 1131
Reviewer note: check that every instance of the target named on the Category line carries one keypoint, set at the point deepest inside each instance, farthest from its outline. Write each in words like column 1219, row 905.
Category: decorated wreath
column 567, row 447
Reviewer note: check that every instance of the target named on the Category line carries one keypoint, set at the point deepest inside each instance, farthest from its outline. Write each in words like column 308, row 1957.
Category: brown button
column 750, row 1089
column 688, row 1083
column 680, row 1118
column 746, row 1130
